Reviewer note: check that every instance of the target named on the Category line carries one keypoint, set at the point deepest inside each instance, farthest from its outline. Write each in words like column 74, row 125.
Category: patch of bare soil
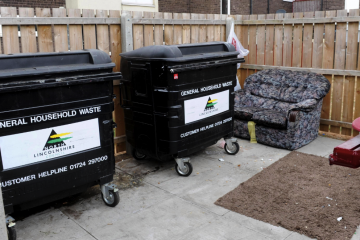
column 302, row 193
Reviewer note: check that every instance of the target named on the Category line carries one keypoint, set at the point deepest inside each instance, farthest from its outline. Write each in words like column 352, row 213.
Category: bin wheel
column 11, row 233
column 233, row 151
column 185, row 173
column 137, row 155
column 113, row 199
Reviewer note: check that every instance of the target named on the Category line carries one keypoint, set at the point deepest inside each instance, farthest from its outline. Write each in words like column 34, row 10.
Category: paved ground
column 163, row 205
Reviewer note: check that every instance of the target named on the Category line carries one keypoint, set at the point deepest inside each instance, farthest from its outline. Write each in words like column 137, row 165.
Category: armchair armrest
column 293, row 120
column 293, row 115
column 305, row 106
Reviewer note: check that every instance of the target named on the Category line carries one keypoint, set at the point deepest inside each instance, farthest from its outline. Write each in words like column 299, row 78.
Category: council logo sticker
column 56, row 140
column 210, row 104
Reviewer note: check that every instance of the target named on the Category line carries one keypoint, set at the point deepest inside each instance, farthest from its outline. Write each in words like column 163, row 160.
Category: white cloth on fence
column 232, row 39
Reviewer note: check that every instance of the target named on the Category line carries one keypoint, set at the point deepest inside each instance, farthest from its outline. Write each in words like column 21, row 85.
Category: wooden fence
column 322, row 42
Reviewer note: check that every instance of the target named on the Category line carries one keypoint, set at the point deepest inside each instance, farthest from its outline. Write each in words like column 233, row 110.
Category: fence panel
column 195, row 30
column 202, row 31
column 10, row 33
column 349, row 82
column 298, row 41
column 278, row 46
column 260, row 42
column 186, row 29
column 269, row 44
column 28, row 35
column 148, row 31
column 60, row 32
column 217, row 28
column 168, row 30
column 138, row 31
column 316, row 42
column 287, row 46
column 89, row 30
column 158, row 30
column 307, row 42
column 339, row 63
column 75, row 31
column 177, row 29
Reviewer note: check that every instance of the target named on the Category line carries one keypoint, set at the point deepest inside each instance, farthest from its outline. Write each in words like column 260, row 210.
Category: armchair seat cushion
column 271, row 118
column 265, row 117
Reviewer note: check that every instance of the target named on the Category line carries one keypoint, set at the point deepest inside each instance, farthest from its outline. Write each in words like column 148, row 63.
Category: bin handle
column 204, row 65
column 121, row 99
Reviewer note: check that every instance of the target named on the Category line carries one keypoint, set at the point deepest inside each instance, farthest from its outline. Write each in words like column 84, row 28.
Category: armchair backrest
column 287, row 86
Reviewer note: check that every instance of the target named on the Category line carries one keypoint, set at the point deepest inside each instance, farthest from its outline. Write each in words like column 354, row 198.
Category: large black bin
column 56, row 128
column 179, row 99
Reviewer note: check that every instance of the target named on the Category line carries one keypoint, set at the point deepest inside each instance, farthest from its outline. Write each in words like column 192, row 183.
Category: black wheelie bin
column 179, row 99
column 56, row 127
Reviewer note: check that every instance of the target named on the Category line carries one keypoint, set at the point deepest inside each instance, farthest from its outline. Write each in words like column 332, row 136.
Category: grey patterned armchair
column 285, row 106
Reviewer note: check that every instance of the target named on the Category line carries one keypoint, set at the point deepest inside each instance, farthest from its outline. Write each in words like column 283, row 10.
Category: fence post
column 229, row 22
column 126, row 32
column 127, row 46
column 3, row 231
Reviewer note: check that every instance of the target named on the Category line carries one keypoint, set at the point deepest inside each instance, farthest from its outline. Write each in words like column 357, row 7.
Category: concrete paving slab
column 213, row 180
column 253, row 157
column 201, row 164
column 297, row 236
column 321, row 146
column 92, row 213
column 51, row 224
column 218, row 229
column 356, row 235
column 170, row 219
column 266, row 229
column 143, row 167
column 161, row 176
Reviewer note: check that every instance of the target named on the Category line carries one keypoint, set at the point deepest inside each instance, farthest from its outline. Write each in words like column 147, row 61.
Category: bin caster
column 231, row 146
column 110, row 194
column 137, row 155
column 183, row 166
column 10, row 227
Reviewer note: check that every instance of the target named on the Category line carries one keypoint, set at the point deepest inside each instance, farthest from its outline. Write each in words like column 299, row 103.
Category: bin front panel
column 187, row 101
column 56, row 139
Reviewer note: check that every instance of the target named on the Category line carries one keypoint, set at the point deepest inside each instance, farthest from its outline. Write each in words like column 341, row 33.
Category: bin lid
column 32, row 65
column 183, row 52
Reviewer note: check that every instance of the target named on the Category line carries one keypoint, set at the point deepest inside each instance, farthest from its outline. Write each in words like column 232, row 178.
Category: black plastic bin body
column 56, row 128
column 178, row 99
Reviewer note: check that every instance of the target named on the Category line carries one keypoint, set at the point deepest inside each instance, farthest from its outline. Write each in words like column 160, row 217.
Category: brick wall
column 334, row 5
column 237, row 6
column 203, row 6
column 240, row 7
column 280, row 4
column 260, row 6
column 33, row 3
column 190, row 6
column 174, row 6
